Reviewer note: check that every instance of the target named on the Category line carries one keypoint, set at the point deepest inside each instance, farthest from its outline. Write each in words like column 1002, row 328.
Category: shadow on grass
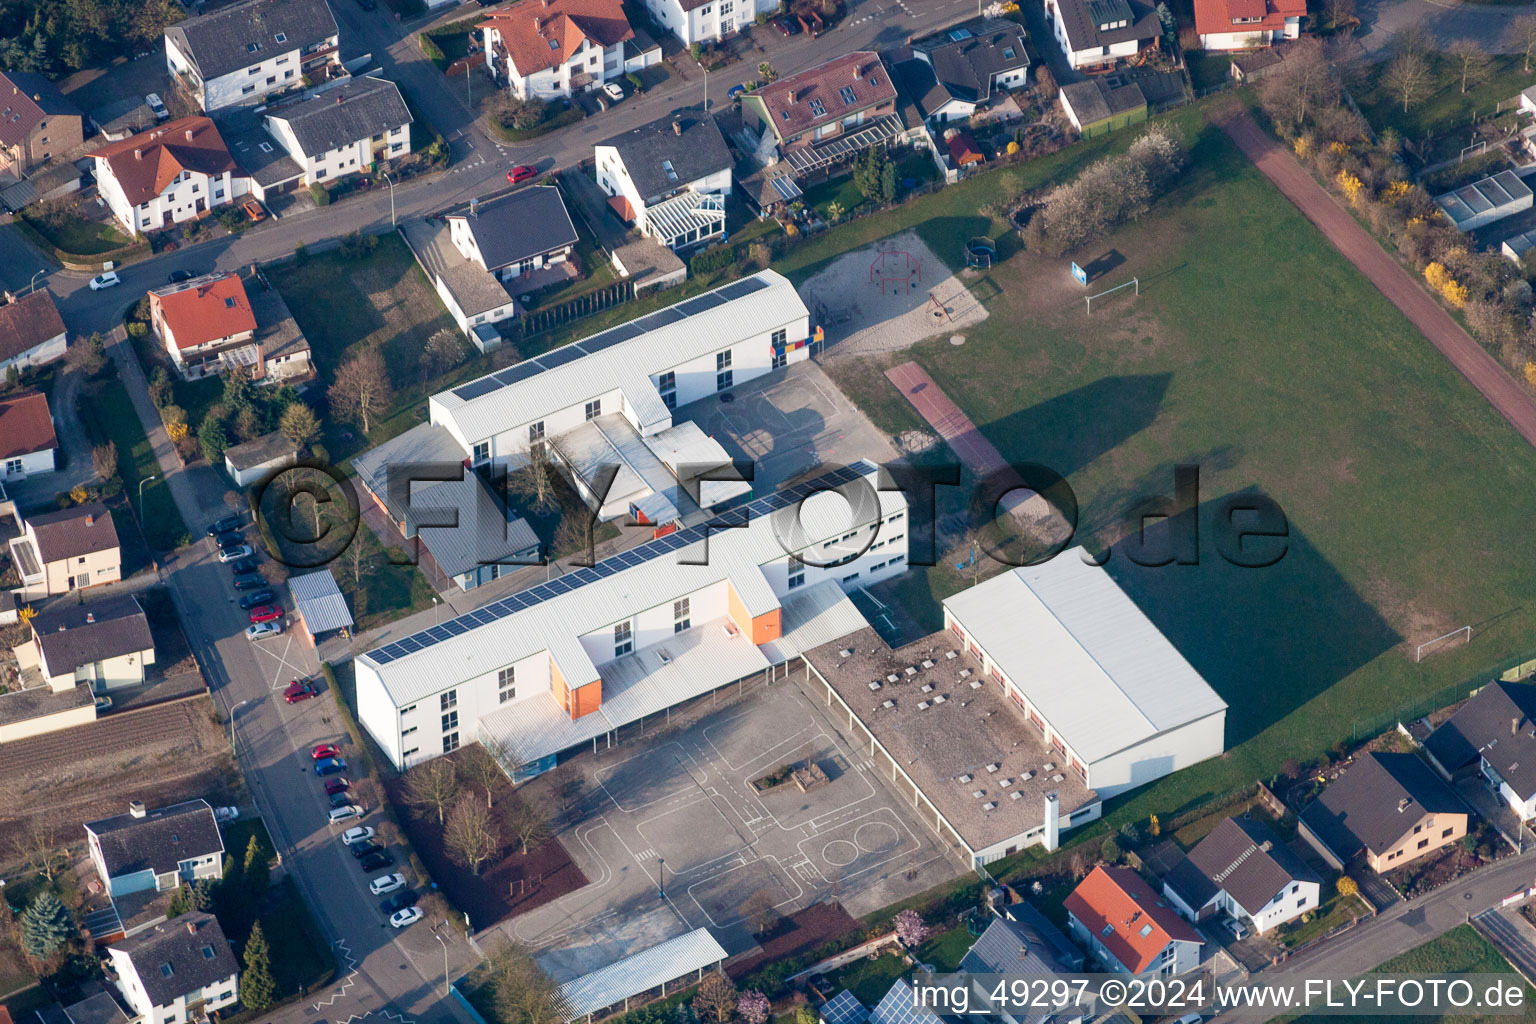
column 1069, row 431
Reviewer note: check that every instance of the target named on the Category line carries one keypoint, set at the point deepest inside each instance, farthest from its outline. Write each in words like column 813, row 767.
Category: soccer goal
column 1134, row 282
column 1418, row 654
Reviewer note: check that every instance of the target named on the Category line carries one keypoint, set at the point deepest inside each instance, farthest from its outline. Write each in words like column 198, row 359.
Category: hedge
column 563, row 119
column 716, row 257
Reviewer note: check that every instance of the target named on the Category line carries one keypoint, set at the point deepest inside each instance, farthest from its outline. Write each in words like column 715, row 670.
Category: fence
column 578, row 308
column 846, row 957
column 1450, row 694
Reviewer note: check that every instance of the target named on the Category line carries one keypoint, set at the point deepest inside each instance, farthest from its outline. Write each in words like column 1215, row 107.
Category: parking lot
column 675, row 837
column 788, row 424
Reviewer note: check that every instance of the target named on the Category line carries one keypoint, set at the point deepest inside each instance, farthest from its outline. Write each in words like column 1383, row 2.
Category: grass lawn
column 1335, row 911
column 1446, row 109
column 14, row 972
column 301, row 960
column 109, row 415
column 946, row 949
column 870, row 980
column 1306, row 386
column 74, row 234
column 1209, row 69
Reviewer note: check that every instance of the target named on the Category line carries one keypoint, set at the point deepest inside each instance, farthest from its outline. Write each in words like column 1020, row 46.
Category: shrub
column 430, row 49
column 716, row 257
column 300, row 252
column 635, row 82
column 318, row 193
column 696, row 51
column 357, row 245
column 137, row 329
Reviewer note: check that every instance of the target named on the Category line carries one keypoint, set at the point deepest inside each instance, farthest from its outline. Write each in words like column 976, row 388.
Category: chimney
column 338, row 98
column 136, row 808
column 90, row 519
column 538, row 25
column 1402, row 805
column 677, row 127
column 138, row 154
column 90, row 616
column 191, row 927
column 792, row 96
column 1052, row 822
column 1514, row 726
column 189, row 134
column 858, row 72
column 474, row 207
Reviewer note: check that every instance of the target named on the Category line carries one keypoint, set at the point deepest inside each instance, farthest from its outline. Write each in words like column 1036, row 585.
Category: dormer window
column 208, row 953
column 166, row 970
column 252, row 47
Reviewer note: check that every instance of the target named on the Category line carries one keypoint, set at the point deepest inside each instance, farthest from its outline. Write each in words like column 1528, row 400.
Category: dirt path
column 1501, row 390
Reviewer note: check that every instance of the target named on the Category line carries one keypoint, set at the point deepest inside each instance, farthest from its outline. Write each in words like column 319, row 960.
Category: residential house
column 968, row 64
column 104, row 643
column 241, row 54
column 27, row 440
column 1011, row 948
column 1127, row 927
column 1246, row 24
column 669, row 178
column 1098, row 32
column 515, row 235
column 473, row 296
column 825, row 115
column 1102, row 104
column 156, row 850
column 1391, row 809
column 548, row 49
column 222, row 320
column 174, row 173
column 31, row 331
column 1496, row 730
column 99, row 1008
column 176, row 971
column 282, row 351
column 707, row 21
column 344, row 129
column 36, row 123
column 69, row 549
column 254, row 460
column 1244, row 870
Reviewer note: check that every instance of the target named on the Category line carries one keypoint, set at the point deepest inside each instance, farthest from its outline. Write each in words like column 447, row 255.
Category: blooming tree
column 753, row 1007
column 910, row 930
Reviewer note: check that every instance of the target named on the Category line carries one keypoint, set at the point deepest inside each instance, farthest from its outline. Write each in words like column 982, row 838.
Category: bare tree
column 443, row 351
column 1300, row 85
column 479, row 768
column 355, row 559
column 87, row 355
column 1408, row 78
column 529, row 822
column 1412, row 41
column 361, row 390
column 523, row 992
column 470, row 835
column 1472, row 63
column 568, row 784
column 1522, row 33
column 715, row 1002
column 1339, row 12
column 759, row 912
column 534, row 481
column 38, row 844
column 433, row 784
column 104, row 459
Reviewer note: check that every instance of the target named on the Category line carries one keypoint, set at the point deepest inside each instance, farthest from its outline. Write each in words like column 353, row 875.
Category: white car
column 345, row 812
column 405, row 918
column 613, row 91
column 235, row 553
column 226, row 814
column 262, row 630
column 106, row 280
column 386, row 884
column 360, row 834
column 153, row 100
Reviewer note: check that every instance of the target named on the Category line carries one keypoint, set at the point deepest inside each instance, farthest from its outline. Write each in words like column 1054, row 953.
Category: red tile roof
column 25, row 425
column 1214, row 17
column 206, row 310
column 28, row 322
column 963, row 150
column 792, row 102
column 1117, row 898
column 146, row 163
column 543, row 34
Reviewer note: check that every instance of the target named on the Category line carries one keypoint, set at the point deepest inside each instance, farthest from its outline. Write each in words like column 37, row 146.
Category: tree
column 355, row 559
column 1346, row 886
column 87, row 355
column 715, row 1001
column 433, row 784
column 160, row 388
column 12, row 377
column 299, row 425
column 529, row 823
column 258, row 874
column 1339, row 13
column 194, row 895
column 361, row 390
column 753, row 1007
column 46, row 927
column 835, row 211
column 522, row 992
column 479, row 768
column 568, row 784
column 38, row 843
column 443, row 351
column 212, row 439
column 257, row 986
column 760, row 913
column 910, row 929
column 1300, row 85
column 471, row 835
column 1472, row 63
column 1408, row 78
column 534, row 481
column 1522, row 32
column 247, row 424
column 1110, row 851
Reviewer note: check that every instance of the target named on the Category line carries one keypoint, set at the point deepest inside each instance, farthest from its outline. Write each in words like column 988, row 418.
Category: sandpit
column 886, row 297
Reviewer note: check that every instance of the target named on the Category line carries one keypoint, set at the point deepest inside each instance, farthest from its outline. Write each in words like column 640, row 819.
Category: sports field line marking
column 901, row 850
column 694, row 780
column 783, row 875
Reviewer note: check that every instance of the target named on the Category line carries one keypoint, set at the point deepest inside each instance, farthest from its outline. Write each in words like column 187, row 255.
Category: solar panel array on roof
column 476, row 388
column 560, row 356
column 635, row 556
column 522, row 371
column 746, row 286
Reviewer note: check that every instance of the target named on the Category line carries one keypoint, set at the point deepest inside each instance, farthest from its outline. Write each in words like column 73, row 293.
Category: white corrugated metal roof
column 1084, row 654
column 319, row 600
column 698, row 660
column 686, row 447
column 538, row 726
column 815, row 616
column 623, row 366
column 640, row 972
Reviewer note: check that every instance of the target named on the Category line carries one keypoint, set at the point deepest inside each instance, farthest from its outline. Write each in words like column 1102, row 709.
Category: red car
column 325, row 750
column 297, row 691
column 337, row 786
column 266, row 613
column 522, row 173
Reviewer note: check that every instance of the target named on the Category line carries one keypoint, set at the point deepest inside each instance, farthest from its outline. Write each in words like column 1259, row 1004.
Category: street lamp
column 390, row 182
column 34, row 278
column 440, row 942
column 232, row 711
column 152, row 476
column 434, row 611
column 661, row 872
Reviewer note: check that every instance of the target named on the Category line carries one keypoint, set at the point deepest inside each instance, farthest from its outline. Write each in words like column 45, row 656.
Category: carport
column 319, row 606
column 683, row 959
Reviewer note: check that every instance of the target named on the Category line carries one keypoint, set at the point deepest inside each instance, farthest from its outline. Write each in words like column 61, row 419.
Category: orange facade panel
column 766, row 627
column 586, row 699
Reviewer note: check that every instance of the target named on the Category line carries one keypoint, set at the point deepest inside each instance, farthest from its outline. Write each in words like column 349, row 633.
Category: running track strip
column 954, row 426
column 1502, row 391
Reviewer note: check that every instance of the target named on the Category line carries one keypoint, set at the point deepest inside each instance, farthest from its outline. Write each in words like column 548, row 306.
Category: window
column 320, row 173
column 166, row 970
column 395, row 147
column 408, row 710
column 846, row 92
column 450, row 743
column 623, row 639
column 406, row 732
column 219, row 194
column 208, row 953
column 283, row 59
column 288, row 74
column 817, row 109
column 413, row 750
column 1447, row 833
column 667, row 381
column 723, row 381
column 850, row 577
column 1146, row 930
column 1418, row 828
column 450, row 721
column 1107, row 930
column 779, row 361
column 12, row 466
column 247, row 90
column 448, row 700
column 722, row 360
column 1295, row 888
column 680, row 615
column 1301, row 903
column 253, row 71
column 1422, row 843
column 482, row 452
column 280, row 37
column 594, row 408
column 780, row 336
column 796, row 572
column 536, row 432
column 506, row 684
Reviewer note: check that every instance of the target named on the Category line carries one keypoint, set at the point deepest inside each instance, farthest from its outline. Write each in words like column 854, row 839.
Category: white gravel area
column 887, row 297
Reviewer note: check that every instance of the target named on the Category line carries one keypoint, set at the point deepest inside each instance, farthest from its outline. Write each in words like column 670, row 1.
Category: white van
column 345, row 813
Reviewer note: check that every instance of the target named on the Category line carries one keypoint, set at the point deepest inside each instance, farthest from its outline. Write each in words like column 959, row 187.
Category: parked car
column 158, row 107
column 399, row 901
column 1236, row 927
column 265, row 613
column 330, row 766
column 386, row 883
column 297, row 691
column 405, row 918
column 335, row 786
column 106, row 280
column 522, row 173
column 374, row 861
column 103, row 704
column 366, row 847
column 321, row 751
column 234, row 554
column 613, row 90
column 228, row 523
column 245, row 565
column 357, row 834
column 249, row 580
column 339, row 799
column 229, row 538
column 787, row 26
column 226, row 814
column 257, row 597
column 176, row 277
column 262, row 630
column 345, row 813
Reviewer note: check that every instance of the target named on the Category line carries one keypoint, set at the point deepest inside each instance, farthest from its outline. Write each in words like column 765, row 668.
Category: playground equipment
column 980, row 252
column 896, row 268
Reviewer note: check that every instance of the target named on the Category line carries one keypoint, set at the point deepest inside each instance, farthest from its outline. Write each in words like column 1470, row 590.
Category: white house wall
column 30, row 464
column 1159, row 755
column 249, row 85
column 37, row 355
column 376, row 713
